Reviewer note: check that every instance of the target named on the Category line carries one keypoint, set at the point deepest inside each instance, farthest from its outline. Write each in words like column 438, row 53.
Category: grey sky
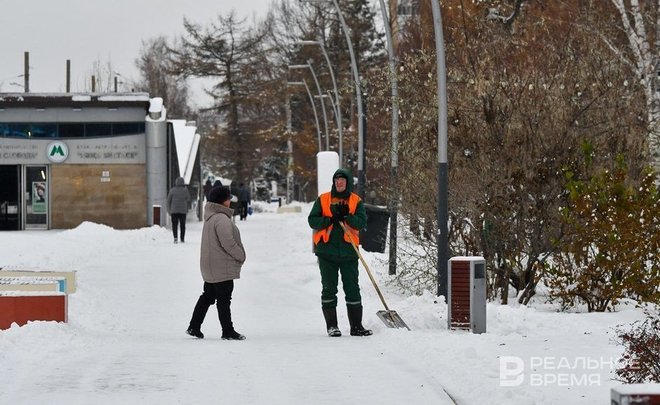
column 85, row 31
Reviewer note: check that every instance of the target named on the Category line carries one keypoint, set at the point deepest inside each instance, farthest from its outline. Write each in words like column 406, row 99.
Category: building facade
column 70, row 158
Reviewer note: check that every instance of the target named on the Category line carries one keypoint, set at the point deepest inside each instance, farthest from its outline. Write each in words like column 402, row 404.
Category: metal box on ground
column 637, row 394
column 466, row 293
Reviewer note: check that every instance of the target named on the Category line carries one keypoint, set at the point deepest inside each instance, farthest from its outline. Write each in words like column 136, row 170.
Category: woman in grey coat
column 221, row 257
column 178, row 203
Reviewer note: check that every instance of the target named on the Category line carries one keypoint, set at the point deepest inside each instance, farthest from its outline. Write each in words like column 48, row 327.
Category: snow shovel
column 389, row 317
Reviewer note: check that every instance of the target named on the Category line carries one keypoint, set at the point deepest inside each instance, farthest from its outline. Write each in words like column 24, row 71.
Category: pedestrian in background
column 207, row 188
column 243, row 200
column 221, row 257
column 178, row 204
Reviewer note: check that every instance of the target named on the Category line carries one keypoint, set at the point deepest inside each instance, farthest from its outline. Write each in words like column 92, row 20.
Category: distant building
column 105, row 158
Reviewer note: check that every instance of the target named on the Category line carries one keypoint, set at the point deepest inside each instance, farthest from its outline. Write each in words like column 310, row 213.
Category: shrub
column 640, row 362
column 611, row 241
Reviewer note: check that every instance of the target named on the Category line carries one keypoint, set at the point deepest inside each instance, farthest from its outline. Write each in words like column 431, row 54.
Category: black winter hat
column 219, row 194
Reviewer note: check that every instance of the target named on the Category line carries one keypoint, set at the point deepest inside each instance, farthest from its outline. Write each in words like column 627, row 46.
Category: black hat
column 219, row 194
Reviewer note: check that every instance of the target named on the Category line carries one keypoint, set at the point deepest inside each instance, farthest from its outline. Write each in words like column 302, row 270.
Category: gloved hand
column 339, row 212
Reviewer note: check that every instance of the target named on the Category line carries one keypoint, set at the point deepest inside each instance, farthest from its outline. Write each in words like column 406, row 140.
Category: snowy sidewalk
column 125, row 341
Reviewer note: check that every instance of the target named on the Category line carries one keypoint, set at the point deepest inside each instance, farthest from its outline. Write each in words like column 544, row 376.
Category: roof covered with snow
column 186, row 140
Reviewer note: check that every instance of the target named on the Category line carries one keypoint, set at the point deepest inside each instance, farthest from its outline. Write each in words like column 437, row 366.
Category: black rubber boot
column 355, row 319
column 330, row 315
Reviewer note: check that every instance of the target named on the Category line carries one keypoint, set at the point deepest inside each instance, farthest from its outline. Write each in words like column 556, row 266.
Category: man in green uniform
column 335, row 253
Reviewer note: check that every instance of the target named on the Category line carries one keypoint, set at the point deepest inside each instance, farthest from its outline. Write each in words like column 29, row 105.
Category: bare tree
column 157, row 79
column 642, row 32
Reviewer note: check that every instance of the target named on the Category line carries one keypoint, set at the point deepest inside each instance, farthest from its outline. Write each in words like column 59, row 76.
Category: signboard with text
column 116, row 150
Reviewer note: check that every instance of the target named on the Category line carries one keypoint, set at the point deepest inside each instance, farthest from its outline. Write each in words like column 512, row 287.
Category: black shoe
column 360, row 331
column 233, row 336
column 195, row 332
column 334, row 331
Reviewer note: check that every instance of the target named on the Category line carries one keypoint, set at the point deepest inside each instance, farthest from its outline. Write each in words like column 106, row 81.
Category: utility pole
column 68, row 75
column 26, row 72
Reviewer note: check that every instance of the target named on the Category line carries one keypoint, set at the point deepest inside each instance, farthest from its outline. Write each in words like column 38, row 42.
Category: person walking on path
column 221, row 257
column 178, row 204
column 207, row 188
column 335, row 252
column 243, row 200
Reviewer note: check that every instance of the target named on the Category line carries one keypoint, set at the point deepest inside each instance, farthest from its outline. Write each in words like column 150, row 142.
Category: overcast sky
column 85, row 31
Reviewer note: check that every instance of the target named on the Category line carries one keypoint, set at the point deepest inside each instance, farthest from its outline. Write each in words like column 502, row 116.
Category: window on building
column 43, row 130
column 127, row 128
column 98, row 129
column 71, row 130
column 408, row 8
column 19, row 130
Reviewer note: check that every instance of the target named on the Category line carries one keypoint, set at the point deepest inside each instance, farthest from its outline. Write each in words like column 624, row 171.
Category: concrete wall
column 114, row 195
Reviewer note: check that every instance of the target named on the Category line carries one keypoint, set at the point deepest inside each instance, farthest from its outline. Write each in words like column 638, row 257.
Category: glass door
column 36, row 193
column 10, row 193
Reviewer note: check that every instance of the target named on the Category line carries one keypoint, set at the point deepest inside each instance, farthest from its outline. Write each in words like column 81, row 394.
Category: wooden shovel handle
column 364, row 263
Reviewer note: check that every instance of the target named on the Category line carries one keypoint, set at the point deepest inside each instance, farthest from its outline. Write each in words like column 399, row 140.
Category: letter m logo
column 57, row 150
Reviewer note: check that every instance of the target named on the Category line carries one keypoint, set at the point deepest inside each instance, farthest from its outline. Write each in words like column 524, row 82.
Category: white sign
column 129, row 149
column 57, row 152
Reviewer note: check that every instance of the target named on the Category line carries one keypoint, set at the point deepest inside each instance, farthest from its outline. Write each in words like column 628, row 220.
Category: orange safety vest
column 326, row 200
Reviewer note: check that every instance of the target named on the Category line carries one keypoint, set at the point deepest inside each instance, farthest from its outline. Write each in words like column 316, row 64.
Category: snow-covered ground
column 125, row 340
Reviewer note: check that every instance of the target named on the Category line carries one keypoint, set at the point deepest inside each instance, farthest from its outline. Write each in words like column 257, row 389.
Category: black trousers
column 220, row 294
column 243, row 205
column 179, row 220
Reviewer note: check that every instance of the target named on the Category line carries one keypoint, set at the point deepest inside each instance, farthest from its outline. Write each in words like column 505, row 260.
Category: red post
column 156, row 215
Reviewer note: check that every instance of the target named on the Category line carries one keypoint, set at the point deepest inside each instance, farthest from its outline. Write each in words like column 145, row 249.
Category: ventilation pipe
column 156, row 145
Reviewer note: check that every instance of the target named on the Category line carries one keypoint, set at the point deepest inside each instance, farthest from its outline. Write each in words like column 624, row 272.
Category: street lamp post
column 394, row 194
column 289, row 144
column 318, row 89
column 358, row 94
column 311, row 100
column 443, row 216
column 333, row 105
column 337, row 106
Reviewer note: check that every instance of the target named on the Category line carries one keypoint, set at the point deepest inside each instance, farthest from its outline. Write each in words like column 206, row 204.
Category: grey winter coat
column 178, row 199
column 222, row 253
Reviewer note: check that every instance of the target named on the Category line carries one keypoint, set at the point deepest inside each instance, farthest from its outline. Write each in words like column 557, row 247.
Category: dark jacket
column 243, row 194
column 337, row 248
column 178, row 199
column 207, row 188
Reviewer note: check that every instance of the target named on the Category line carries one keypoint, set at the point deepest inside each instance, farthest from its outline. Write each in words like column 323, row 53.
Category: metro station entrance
column 24, row 197
column 10, row 192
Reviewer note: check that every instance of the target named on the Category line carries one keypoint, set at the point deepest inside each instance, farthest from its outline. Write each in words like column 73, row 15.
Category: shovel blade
column 391, row 319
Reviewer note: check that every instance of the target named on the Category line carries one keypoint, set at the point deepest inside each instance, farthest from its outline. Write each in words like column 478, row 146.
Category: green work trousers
column 330, row 270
